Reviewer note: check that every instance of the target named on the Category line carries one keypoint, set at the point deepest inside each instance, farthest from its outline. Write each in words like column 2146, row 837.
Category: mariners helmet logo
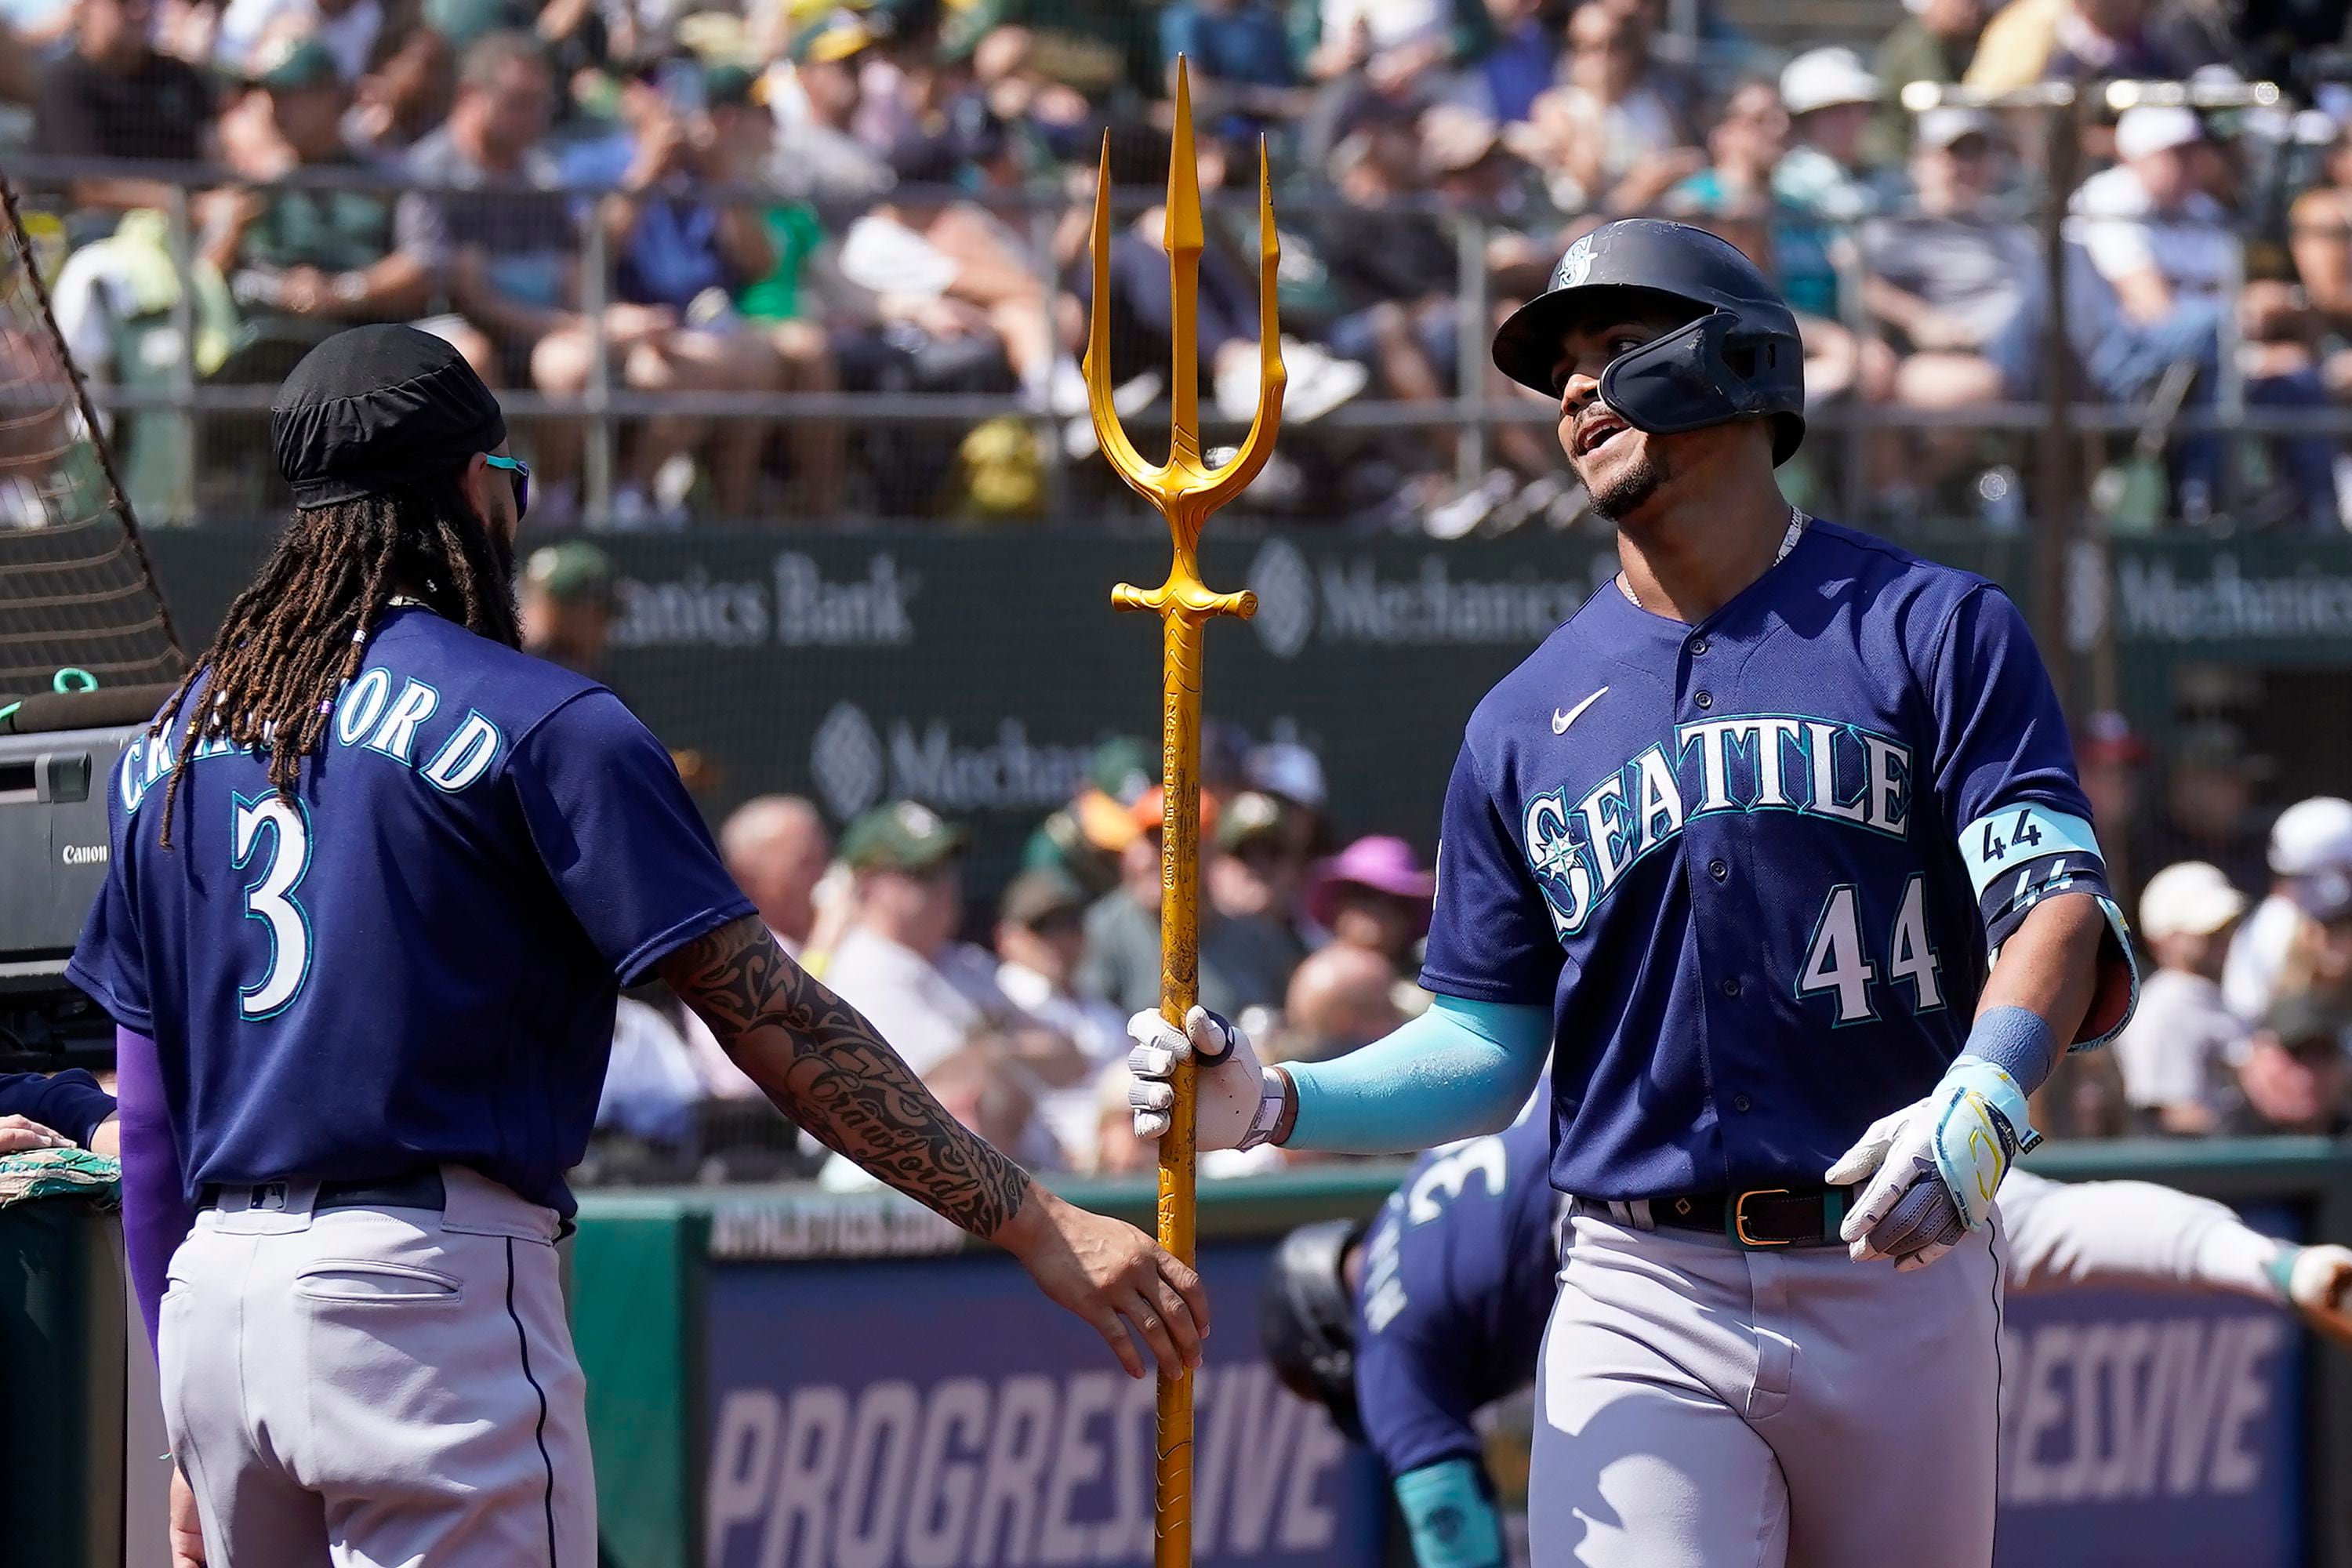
column 1574, row 267
column 846, row 760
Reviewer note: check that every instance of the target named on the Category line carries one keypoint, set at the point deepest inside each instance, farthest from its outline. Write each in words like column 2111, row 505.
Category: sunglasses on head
column 518, row 475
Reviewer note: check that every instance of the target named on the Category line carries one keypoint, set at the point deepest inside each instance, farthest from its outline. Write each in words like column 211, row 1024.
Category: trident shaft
column 1186, row 490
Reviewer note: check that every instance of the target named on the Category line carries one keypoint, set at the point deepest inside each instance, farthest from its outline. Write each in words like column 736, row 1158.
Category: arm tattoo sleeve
column 822, row 1063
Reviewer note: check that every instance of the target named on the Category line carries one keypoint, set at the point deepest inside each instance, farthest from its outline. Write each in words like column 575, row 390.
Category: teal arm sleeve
column 1460, row 1069
column 1452, row 1523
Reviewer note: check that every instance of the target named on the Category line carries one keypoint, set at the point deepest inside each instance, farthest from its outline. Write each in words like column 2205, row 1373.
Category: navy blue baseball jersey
column 1755, row 866
column 416, row 960
column 1458, row 1284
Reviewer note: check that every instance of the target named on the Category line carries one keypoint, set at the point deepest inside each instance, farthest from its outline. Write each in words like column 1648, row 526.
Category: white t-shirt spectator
column 1388, row 22
column 2181, row 1045
column 2250, row 978
column 1099, row 1033
column 651, row 1086
column 2191, row 248
column 926, row 1009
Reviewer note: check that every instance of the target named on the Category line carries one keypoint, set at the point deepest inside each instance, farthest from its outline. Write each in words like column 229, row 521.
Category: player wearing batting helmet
column 1406, row 1328
column 376, row 879
column 1734, row 851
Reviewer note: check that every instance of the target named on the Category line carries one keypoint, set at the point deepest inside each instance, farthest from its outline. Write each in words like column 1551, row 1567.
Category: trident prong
column 1185, row 489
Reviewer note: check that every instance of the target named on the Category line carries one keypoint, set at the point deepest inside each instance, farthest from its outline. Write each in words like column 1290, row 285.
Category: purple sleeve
column 155, row 1214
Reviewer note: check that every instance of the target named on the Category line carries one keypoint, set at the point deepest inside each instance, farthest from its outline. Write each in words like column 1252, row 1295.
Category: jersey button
column 1698, row 645
column 1718, row 870
column 1702, row 698
column 1740, row 1102
column 1731, row 986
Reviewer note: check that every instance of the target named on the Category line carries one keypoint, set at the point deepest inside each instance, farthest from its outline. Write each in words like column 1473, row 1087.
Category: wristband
column 1268, row 1115
column 1452, row 1523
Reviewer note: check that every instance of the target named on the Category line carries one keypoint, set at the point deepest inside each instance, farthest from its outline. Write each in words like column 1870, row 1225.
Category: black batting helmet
column 1738, row 357
column 1306, row 1316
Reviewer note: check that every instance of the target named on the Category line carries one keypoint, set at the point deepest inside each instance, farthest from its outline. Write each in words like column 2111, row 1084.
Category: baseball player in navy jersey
column 1775, row 853
column 1405, row 1329
column 376, row 879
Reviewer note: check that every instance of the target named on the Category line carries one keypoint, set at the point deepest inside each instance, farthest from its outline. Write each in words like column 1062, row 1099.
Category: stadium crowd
column 891, row 197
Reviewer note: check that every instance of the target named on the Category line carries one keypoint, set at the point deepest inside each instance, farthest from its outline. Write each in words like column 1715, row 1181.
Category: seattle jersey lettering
column 1580, row 850
column 370, row 716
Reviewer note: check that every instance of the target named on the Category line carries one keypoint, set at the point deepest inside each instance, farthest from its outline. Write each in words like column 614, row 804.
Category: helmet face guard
column 1685, row 379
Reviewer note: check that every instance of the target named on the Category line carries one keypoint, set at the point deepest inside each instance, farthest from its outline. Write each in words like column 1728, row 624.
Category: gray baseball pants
column 370, row 1387
column 1703, row 1407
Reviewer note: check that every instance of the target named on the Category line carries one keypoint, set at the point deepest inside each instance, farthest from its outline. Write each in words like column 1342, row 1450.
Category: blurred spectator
column 900, row 965
column 2208, row 798
column 2162, row 241
column 1085, row 839
column 2319, row 233
column 1041, row 940
column 2178, row 1050
column 1260, row 867
column 1374, row 894
column 566, row 605
column 684, row 257
column 1341, row 998
column 1293, row 775
column 1237, row 54
column 1745, row 145
column 651, row 1086
column 1933, row 43
column 974, row 1086
column 1524, row 60
column 1244, row 963
column 1117, row 1152
column 1394, row 269
column 814, row 102
column 1608, row 137
column 2109, row 758
column 30, row 31
column 1830, row 95
column 1959, row 292
column 311, row 261
column 405, row 96
column 253, row 32
column 115, row 96
column 2293, row 1077
column 1399, row 50
column 2030, row 41
column 2310, row 839
column 776, row 848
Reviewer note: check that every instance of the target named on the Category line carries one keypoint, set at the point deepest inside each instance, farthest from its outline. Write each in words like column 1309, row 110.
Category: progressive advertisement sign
column 904, row 1414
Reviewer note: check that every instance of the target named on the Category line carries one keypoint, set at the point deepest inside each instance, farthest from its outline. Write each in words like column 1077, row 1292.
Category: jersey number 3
column 269, row 898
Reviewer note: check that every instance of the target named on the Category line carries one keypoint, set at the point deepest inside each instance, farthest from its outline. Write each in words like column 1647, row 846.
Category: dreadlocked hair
column 291, row 641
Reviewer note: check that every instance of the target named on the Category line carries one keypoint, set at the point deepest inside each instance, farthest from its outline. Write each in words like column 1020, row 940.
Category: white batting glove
column 1931, row 1169
column 2317, row 1283
column 1228, row 1085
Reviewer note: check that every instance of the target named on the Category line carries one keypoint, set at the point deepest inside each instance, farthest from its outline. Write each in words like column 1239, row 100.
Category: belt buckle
column 1739, row 1216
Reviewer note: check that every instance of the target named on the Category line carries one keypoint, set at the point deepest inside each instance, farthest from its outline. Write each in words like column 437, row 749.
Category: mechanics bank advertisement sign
column 2141, row 1429
column 900, row 1414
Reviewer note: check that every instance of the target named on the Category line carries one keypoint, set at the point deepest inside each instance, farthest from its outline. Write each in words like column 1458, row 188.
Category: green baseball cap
column 1123, row 768
column 904, row 836
column 836, row 38
column 1037, row 896
column 295, row 64
column 1248, row 815
column 731, row 85
column 575, row 571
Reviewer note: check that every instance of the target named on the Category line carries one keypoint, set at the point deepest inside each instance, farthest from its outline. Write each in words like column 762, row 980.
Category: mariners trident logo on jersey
column 1579, row 849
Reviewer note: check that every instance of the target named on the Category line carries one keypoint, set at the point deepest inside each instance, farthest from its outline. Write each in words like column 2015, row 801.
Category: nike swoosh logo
column 1560, row 720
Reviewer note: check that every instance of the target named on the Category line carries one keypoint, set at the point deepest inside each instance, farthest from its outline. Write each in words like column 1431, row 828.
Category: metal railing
column 1471, row 419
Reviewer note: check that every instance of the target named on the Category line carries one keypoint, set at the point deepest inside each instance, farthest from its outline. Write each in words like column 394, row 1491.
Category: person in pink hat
column 1374, row 894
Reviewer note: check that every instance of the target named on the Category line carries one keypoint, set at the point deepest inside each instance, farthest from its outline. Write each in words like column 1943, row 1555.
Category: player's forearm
column 2049, row 967
column 1449, row 1515
column 2135, row 1234
column 825, row 1066
column 1460, row 1071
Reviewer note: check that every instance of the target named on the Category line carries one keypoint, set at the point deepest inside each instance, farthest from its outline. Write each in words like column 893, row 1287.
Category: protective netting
column 75, row 591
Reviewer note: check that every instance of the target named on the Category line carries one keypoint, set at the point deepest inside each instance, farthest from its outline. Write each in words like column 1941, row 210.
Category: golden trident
column 1186, row 490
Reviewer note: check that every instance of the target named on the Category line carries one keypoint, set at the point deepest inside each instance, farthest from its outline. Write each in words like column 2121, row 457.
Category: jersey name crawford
column 1579, row 849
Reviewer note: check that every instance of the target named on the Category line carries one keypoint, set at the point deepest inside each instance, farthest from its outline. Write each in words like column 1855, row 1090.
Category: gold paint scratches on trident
column 1186, row 490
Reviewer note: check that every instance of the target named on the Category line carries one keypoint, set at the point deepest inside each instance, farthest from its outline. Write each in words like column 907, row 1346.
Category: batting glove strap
column 1270, row 1101
column 1980, row 1128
